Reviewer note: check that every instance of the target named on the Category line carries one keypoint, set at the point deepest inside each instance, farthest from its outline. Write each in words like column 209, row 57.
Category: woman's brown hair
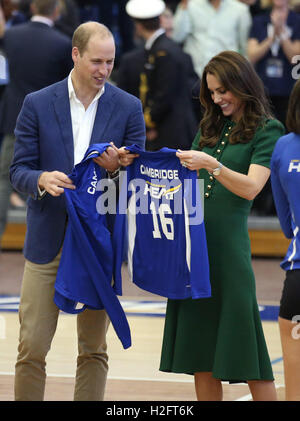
column 237, row 75
column 293, row 112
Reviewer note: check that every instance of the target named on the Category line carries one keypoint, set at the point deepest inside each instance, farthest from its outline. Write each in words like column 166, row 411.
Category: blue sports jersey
column 84, row 277
column 160, row 213
column 285, row 179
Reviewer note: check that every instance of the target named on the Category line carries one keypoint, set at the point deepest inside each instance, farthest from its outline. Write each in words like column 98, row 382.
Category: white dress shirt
column 82, row 121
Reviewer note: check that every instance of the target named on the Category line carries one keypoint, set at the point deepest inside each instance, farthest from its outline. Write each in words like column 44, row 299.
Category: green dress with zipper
column 223, row 334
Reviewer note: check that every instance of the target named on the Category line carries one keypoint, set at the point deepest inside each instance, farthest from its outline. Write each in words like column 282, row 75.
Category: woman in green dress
column 221, row 338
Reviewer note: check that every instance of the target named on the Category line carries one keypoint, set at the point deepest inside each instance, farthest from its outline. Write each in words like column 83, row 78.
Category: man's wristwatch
column 216, row 171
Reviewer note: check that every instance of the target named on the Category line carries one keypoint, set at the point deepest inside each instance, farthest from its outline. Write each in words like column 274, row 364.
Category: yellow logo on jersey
column 158, row 190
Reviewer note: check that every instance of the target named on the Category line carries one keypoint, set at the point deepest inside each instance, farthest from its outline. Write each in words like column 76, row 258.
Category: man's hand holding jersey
column 126, row 157
column 109, row 159
column 54, row 183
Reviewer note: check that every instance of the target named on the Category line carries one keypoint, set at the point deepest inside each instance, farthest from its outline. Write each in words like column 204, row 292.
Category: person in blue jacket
column 54, row 129
column 285, row 180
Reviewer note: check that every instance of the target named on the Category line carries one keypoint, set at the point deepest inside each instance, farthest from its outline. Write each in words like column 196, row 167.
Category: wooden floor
column 133, row 373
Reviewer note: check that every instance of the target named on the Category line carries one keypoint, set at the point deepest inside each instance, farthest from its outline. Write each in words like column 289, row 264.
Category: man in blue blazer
column 54, row 128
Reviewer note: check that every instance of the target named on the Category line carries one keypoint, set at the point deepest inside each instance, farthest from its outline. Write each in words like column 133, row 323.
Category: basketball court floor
column 133, row 373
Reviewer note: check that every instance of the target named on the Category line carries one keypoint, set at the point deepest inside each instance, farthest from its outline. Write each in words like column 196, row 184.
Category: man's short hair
column 84, row 32
column 45, row 7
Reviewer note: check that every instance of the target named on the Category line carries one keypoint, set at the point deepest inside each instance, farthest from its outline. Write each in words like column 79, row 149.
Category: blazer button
column 209, row 186
column 223, row 143
column 218, row 150
column 226, row 134
column 206, row 195
column 211, row 178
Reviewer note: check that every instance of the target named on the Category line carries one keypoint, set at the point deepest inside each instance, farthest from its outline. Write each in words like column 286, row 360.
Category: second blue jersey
column 160, row 213
column 285, row 179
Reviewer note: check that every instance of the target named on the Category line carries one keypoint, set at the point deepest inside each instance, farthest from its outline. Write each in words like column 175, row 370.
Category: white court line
column 146, row 379
column 13, row 299
column 247, row 397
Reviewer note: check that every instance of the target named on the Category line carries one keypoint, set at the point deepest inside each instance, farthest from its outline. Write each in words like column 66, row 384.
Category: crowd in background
column 200, row 46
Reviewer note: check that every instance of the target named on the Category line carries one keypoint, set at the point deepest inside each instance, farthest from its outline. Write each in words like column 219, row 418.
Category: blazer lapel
column 104, row 112
column 63, row 114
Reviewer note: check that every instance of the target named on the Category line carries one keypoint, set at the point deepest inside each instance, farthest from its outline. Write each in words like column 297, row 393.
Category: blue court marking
column 269, row 313
column 277, row 360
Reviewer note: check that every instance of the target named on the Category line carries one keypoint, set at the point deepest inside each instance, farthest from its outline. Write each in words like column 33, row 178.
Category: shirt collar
column 153, row 37
column 72, row 93
column 42, row 19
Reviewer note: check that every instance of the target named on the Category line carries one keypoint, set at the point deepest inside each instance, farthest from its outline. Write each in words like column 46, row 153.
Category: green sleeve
column 195, row 145
column 264, row 142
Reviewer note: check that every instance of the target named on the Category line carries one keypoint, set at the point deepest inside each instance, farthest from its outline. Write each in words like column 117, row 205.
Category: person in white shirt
column 207, row 27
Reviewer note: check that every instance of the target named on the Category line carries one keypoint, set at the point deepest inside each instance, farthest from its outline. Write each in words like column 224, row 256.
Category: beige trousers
column 38, row 316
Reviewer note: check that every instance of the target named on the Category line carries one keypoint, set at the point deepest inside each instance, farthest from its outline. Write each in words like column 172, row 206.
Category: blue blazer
column 44, row 142
column 38, row 56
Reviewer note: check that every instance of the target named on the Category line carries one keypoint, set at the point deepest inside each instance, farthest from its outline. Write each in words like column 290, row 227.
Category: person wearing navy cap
column 158, row 74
